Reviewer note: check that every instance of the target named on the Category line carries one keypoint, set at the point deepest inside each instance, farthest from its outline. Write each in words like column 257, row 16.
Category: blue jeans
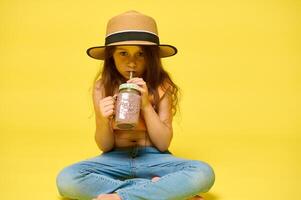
column 128, row 172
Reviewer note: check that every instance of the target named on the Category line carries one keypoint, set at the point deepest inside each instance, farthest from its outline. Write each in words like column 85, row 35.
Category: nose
column 132, row 63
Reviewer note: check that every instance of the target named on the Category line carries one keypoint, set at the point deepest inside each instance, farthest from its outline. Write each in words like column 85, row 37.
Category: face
column 129, row 58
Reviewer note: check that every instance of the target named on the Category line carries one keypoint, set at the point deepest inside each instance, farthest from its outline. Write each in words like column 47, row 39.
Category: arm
column 104, row 137
column 159, row 126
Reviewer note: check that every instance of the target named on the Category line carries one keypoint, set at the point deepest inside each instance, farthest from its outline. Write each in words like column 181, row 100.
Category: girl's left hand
column 143, row 89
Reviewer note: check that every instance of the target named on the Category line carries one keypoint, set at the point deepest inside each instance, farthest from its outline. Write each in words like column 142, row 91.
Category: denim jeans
column 128, row 172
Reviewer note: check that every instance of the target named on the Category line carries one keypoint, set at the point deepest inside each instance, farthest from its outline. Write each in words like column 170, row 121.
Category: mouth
column 131, row 74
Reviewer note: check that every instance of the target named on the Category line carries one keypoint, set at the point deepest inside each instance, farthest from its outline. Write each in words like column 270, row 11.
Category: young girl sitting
column 136, row 163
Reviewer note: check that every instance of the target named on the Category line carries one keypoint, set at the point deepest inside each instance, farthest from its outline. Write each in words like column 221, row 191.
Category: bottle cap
column 129, row 86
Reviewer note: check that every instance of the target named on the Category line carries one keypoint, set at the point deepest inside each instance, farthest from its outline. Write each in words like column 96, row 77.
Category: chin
column 125, row 78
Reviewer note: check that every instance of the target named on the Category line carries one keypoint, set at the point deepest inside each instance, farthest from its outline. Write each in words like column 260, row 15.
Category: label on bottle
column 127, row 108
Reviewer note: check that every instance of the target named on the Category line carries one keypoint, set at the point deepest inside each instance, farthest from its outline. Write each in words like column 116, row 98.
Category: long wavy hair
column 154, row 76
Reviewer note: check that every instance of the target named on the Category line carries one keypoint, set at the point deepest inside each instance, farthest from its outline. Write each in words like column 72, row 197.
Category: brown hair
column 154, row 76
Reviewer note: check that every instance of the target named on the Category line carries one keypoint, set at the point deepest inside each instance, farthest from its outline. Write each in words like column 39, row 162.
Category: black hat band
column 130, row 36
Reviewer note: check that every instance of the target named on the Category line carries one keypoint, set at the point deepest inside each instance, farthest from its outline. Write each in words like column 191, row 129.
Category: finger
column 106, row 98
column 109, row 107
column 142, row 86
column 107, row 103
column 109, row 113
column 137, row 80
column 110, row 98
column 141, row 90
column 140, row 83
column 134, row 80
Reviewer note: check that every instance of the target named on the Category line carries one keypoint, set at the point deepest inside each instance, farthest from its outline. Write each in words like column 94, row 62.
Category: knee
column 65, row 182
column 203, row 176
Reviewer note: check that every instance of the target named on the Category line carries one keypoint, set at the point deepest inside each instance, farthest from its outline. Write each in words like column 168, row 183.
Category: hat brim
column 164, row 49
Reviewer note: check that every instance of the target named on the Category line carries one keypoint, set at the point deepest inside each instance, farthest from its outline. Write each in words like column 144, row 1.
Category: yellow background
column 238, row 67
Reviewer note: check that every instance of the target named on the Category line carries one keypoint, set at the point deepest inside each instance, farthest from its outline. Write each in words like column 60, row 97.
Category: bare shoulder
column 98, row 90
column 98, row 84
column 165, row 103
column 164, row 89
column 165, row 95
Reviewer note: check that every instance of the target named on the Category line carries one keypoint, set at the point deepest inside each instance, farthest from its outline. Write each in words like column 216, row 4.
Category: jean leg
column 180, row 179
column 87, row 179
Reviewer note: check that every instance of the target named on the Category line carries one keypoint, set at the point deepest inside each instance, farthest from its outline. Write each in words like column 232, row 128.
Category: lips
column 129, row 73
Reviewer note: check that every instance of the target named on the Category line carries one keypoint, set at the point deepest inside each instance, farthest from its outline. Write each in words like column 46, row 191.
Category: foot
column 113, row 196
column 155, row 179
column 197, row 197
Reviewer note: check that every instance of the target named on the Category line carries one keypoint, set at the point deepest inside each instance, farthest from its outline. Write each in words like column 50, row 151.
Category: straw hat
column 131, row 28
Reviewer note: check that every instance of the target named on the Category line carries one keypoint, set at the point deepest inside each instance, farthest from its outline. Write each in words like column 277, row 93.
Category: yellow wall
column 238, row 67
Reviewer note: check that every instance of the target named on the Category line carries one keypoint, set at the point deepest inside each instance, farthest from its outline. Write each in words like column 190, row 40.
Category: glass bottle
column 127, row 106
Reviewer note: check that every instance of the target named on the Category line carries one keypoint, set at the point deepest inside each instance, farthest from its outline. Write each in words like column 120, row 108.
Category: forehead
column 129, row 48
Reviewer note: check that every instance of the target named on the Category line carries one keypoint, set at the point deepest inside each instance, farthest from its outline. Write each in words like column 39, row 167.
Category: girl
column 135, row 164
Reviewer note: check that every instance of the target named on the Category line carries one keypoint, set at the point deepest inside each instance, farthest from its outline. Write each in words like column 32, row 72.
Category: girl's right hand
column 107, row 106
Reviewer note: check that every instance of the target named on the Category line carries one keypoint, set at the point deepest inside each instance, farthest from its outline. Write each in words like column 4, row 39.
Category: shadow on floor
column 210, row 196
column 207, row 196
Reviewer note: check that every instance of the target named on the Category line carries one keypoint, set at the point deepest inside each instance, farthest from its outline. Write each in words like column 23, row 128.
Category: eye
column 140, row 54
column 123, row 53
